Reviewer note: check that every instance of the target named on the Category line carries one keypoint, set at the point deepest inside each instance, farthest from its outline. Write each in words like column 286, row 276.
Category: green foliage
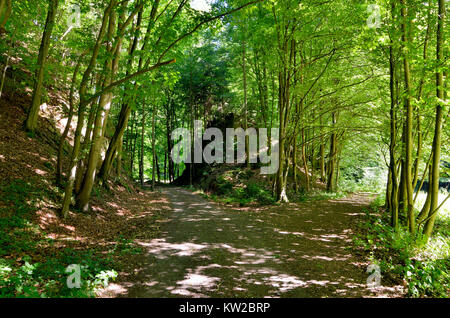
column 428, row 278
column 48, row 279
column 224, row 186
column 251, row 192
column 406, row 257
column 20, row 276
column 259, row 194
column 126, row 246
column 15, row 226
column 18, row 193
column 353, row 178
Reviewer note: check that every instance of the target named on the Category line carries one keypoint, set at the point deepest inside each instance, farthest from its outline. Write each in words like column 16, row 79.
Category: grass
column 316, row 195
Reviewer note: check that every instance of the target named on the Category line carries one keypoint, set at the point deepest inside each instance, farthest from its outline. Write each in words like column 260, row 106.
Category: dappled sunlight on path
column 293, row 250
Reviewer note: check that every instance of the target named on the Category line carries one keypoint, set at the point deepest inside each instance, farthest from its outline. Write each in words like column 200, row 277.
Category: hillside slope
column 36, row 245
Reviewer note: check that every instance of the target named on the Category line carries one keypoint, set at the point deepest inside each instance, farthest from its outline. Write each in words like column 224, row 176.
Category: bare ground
column 292, row 250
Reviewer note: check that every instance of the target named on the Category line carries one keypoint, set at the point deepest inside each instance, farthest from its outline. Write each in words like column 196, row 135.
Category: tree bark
column 81, row 112
column 408, row 125
column 434, row 182
column 69, row 121
column 153, row 145
column 141, row 161
column 331, row 181
column 110, row 68
column 5, row 13
column 33, row 112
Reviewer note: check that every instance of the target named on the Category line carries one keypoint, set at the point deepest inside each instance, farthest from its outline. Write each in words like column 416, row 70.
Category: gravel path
column 293, row 250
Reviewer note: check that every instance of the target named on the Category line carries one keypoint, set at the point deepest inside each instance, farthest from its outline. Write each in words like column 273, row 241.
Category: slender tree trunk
column 69, row 121
column 419, row 98
column 111, row 67
column 408, row 124
column 4, row 73
column 304, row 159
column 33, row 112
column 331, row 185
column 5, row 13
column 393, row 193
column 83, row 160
column 153, row 145
column 133, row 152
column 81, row 112
column 434, row 182
column 125, row 111
column 281, row 194
column 141, row 161
column 295, row 164
column 130, row 149
column 158, row 171
column 165, row 166
column 244, row 79
column 119, row 157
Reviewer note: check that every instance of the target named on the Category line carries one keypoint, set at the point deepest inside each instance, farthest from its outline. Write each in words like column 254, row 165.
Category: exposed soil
column 292, row 250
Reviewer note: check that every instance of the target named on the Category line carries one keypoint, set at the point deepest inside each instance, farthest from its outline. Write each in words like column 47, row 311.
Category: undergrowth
column 422, row 266
column 31, row 265
column 243, row 194
column 237, row 187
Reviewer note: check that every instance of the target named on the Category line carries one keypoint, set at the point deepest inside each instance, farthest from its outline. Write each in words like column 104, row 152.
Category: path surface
column 208, row 250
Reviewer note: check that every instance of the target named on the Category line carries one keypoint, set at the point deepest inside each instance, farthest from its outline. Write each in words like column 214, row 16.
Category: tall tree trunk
column 5, row 13
column 283, row 103
column 84, row 100
column 125, row 111
column 331, row 182
column 83, row 160
column 141, row 161
column 295, row 164
column 110, row 68
column 153, row 145
column 4, row 74
column 393, row 193
column 408, row 124
column 304, row 159
column 130, row 149
column 419, row 98
column 165, row 166
column 119, row 157
column 434, row 182
column 69, row 121
column 158, row 171
column 244, row 79
column 33, row 112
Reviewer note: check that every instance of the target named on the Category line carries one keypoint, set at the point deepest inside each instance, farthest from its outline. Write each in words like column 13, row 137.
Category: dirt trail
column 208, row 250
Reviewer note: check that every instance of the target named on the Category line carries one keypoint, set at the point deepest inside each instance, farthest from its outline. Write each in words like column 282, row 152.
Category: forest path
column 293, row 250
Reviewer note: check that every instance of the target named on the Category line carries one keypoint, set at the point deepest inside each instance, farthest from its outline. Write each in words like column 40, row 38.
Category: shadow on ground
column 296, row 250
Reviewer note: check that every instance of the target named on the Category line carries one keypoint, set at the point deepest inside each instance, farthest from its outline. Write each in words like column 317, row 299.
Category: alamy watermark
column 189, row 149
column 74, row 278
column 374, row 19
column 374, row 279
column 74, row 17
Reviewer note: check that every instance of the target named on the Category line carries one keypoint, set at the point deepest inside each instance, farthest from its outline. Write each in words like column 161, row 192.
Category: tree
column 5, row 13
column 33, row 112
column 441, row 98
